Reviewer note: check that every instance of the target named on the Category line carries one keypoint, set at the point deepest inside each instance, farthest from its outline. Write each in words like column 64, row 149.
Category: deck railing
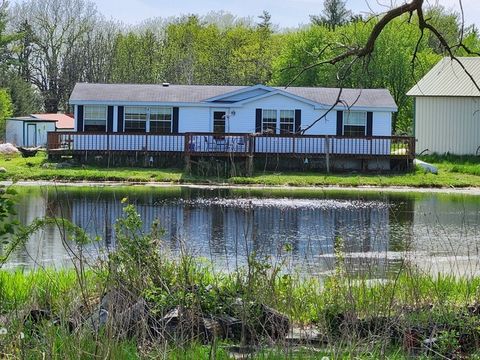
column 234, row 143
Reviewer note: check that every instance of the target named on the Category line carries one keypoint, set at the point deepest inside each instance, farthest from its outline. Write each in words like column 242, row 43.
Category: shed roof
column 448, row 78
column 375, row 98
column 62, row 121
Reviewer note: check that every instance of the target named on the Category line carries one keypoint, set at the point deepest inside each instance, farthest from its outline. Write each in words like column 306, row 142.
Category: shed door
column 31, row 135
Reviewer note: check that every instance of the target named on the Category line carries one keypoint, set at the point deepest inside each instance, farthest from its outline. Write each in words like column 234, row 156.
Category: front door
column 31, row 135
column 219, row 122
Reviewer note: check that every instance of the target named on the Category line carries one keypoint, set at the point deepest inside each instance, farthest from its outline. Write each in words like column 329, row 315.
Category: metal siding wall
column 446, row 124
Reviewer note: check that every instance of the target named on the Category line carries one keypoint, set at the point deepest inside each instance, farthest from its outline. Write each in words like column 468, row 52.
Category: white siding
column 447, row 124
column 244, row 119
column 42, row 130
column 194, row 119
column 382, row 123
column 14, row 132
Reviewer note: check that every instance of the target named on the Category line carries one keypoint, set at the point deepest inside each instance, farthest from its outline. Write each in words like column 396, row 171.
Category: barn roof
column 449, row 78
column 131, row 93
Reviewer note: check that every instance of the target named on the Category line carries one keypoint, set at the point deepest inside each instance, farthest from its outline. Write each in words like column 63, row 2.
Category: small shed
column 447, row 107
column 31, row 130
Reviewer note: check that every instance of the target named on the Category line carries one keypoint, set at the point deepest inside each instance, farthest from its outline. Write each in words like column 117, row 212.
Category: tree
column 6, row 40
column 25, row 98
column 5, row 110
column 58, row 26
column 335, row 13
column 137, row 58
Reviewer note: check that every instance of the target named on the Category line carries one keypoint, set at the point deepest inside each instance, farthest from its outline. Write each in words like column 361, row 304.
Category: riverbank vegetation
column 454, row 171
column 140, row 301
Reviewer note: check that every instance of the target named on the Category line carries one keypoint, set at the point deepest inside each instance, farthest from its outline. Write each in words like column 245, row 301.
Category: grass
column 454, row 172
column 440, row 300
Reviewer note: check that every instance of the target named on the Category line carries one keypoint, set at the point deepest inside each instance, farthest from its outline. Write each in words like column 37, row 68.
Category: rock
column 3, row 170
column 274, row 324
column 38, row 315
column 305, row 336
column 182, row 325
column 97, row 320
column 64, row 165
column 128, row 315
column 231, row 327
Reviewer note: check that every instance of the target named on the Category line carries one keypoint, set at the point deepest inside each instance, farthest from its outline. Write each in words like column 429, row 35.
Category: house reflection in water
column 226, row 231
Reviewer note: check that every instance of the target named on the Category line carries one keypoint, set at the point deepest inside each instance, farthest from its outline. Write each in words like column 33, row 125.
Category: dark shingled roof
column 375, row 98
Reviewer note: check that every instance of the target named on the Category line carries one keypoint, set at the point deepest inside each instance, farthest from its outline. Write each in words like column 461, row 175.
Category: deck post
column 327, row 153
column 108, row 150
column 250, row 165
column 186, row 152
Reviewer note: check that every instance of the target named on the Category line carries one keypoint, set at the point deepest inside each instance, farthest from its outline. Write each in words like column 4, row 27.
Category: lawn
column 454, row 172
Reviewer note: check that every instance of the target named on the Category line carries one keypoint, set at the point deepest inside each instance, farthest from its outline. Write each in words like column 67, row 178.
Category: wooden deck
column 210, row 144
column 237, row 145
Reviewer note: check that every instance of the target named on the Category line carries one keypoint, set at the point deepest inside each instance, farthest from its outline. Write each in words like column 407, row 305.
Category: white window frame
column 131, row 110
column 148, row 111
column 348, row 120
column 279, row 114
column 98, row 114
column 292, row 122
column 270, row 111
column 152, row 110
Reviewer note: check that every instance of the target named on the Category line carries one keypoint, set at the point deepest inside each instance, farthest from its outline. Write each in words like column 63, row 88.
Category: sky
column 285, row 13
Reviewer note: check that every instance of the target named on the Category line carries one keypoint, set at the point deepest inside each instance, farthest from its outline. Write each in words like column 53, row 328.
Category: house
column 31, row 130
column 199, row 120
column 447, row 107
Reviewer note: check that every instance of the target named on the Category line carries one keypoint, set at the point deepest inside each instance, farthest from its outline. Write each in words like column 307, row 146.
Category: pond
column 301, row 229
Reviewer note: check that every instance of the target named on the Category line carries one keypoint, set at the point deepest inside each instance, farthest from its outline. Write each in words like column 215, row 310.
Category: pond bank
column 474, row 191
column 452, row 173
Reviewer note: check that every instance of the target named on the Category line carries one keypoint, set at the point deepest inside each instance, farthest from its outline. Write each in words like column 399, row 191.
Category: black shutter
column 258, row 120
column 369, row 123
column 80, row 118
column 175, row 121
column 339, row 123
column 298, row 120
column 120, row 119
column 110, row 119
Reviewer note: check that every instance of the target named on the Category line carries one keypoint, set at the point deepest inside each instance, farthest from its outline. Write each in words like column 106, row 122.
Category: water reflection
column 377, row 231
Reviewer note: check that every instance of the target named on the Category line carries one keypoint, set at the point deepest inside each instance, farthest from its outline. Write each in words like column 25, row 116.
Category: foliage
column 53, row 44
column 25, row 98
column 335, row 13
column 6, row 109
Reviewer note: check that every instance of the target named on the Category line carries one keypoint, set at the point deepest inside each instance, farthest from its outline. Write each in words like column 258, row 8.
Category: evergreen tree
column 335, row 13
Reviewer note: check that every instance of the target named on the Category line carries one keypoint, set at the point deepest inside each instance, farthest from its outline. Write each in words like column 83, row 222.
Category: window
column 287, row 121
column 219, row 122
column 135, row 119
column 269, row 121
column 161, row 120
column 354, row 123
column 95, row 118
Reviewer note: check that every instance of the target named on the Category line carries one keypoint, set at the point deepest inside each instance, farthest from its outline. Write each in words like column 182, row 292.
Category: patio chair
column 210, row 145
